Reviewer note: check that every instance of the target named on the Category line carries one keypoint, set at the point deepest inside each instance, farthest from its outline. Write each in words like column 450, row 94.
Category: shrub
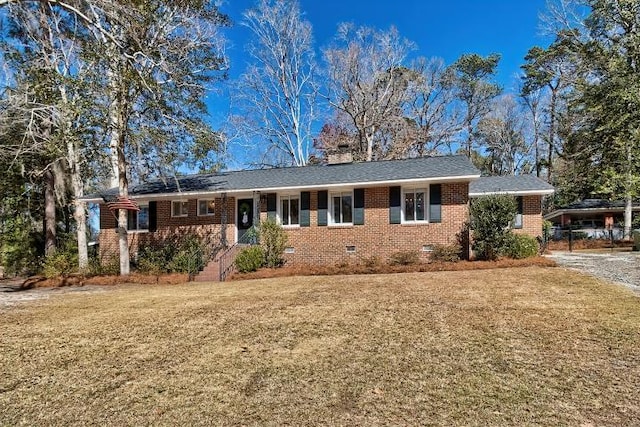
column 446, row 253
column 188, row 258
column 250, row 259
column 491, row 217
column 273, row 241
column 371, row 262
column 521, row 246
column 177, row 254
column 154, row 259
column 404, row 258
column 110, row 266
column 63, row 262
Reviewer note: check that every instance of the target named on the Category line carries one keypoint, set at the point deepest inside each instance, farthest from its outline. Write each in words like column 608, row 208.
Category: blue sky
column 445, row 29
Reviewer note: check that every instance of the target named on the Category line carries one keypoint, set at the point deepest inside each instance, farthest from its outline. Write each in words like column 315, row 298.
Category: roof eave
column 365, row 184
column 559, row 212
column 514, row 193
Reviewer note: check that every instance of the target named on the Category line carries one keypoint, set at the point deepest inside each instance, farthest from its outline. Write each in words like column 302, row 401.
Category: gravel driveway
column 11, row 293
column 618, row 267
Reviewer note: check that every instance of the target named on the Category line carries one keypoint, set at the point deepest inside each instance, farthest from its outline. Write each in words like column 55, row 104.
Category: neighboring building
column 332, row 213
column 593, row 217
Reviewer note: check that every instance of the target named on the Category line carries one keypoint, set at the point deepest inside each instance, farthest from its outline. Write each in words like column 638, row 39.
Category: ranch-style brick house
column 338, row 212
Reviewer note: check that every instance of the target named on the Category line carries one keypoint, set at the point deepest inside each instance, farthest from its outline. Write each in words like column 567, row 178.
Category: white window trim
column 427, row 205
column 138, row 229
column 279, row 208
column 200, row 213
column 331, row 220
column 181, row 215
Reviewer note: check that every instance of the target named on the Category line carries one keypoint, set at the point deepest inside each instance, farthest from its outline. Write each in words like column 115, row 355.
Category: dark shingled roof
column 599, row 204
column 509, row 184
column 591, row 205
column 310, row 176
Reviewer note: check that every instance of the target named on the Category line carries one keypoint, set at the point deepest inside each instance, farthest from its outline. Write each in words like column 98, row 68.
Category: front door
column 245, row 217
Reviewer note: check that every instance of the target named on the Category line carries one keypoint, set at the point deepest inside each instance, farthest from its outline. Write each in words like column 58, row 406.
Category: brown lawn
column 521, row 346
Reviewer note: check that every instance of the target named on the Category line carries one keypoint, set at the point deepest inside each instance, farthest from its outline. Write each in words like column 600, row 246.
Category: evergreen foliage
column 491, row 217
column 273, row 240
column 250, row 259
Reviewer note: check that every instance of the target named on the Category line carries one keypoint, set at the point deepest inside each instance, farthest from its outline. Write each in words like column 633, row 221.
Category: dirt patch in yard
column 380, row 268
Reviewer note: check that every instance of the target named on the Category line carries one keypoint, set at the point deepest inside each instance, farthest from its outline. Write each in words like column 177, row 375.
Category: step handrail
column 250, row 237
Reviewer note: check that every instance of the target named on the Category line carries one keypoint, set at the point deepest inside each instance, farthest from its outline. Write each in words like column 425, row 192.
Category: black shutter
column 435, row 203
column 358, row 206
column 395, row 200
column 272, row 202
column 305, row 207
column 153, row 216
column 520, row 205
column 323, row 199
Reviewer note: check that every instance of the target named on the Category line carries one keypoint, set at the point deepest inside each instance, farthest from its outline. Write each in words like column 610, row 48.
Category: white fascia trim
column 514, row 193
column 584, row 210
column 203, row 194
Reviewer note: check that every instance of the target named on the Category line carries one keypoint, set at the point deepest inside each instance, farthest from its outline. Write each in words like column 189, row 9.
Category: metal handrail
column 250, row 237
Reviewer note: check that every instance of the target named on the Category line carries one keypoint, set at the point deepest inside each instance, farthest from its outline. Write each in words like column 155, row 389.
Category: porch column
column 256, row 208
column 223, row 220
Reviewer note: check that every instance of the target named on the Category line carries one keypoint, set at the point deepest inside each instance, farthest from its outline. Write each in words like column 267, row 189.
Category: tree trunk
column 552, row 133
column 79, row 215
column 628, row 212
column 469, row 139
column 77, row 186
column 629, row 191
column 49, row 213
column 118, row 123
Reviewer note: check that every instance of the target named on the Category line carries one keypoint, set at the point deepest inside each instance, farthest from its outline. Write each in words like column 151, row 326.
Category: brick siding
column 531, row 216
column 327, row 244
column 167, row 226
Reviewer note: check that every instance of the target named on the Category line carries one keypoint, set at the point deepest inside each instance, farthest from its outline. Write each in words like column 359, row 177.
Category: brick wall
column 203, row 226
column 328, row 244
column 531, row 216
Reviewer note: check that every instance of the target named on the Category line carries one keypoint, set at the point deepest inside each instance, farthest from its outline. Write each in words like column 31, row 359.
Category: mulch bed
column 78, row 280
column 331, row 270
column 286, row 271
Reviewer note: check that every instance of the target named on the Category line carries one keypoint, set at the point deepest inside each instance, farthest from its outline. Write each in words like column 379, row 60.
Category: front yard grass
column 521, row 346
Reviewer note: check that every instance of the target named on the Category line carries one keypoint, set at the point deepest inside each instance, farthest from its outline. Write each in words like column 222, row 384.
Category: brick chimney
column 340, row 156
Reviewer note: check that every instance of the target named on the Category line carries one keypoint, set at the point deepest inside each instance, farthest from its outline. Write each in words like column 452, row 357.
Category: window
column 341, row 208
column 517, row 221
column 206, row 207
column 179, row 208
column 414, row 205
column 289, row 210
column 138, row 220
column 435, row 203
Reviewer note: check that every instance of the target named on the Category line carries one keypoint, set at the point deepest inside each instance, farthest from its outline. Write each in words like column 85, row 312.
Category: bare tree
column 533, row 102
column 368, row 82
column 431, row 108
column 277, row 93
column 502, row 133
